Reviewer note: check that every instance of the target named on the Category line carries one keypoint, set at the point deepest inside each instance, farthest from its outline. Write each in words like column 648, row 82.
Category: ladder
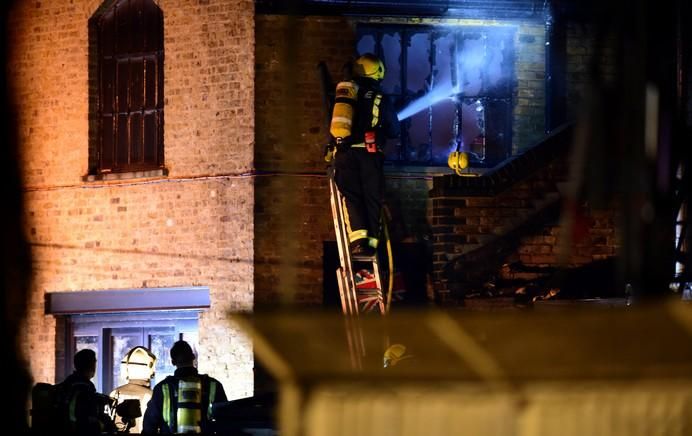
column 353, row 301
column 346, row 278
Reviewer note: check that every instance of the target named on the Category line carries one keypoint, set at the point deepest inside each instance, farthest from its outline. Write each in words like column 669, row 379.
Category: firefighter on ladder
column 361, row 121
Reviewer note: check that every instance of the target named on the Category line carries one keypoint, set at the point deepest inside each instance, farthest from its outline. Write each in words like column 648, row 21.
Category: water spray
column 436, row 95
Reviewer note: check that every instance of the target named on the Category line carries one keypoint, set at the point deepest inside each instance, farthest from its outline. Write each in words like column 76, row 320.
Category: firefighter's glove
column 329, row 151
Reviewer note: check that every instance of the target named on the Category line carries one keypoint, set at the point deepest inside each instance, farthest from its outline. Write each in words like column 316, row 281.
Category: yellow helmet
column 139, row 363
column 458, row 160
column 395, row 354
column 370, row 66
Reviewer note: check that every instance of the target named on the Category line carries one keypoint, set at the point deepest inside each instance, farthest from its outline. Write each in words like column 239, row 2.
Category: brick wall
column 292, row 212
column 528, row 124
column 478, row 230
column 194, row 227
column 581, row 48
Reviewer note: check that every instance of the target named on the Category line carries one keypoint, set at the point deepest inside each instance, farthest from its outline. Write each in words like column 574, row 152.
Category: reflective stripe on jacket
column 185, row 399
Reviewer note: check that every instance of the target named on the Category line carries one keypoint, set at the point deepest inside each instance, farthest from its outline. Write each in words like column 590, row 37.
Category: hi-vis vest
column 187, row 416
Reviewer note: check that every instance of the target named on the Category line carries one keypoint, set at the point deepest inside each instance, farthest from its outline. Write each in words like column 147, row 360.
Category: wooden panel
column 107, row 145
column 150, row 137
column 159, row 82
column 136, row 84
column 122, row 153
column 154, row 25
column 137, row 23
column 150, row 82
column 136, row 154
column 108, row 86
column 124, row 28
column 107, row 33
column 123, row 81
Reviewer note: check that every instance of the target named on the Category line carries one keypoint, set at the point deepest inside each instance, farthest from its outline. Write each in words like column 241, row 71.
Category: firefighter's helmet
column 139, row 364
column 395, row 354
column 369, row 65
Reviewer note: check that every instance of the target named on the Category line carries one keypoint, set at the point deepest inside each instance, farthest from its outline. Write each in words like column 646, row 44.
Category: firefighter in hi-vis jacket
column 182, row 403
column 361, row 122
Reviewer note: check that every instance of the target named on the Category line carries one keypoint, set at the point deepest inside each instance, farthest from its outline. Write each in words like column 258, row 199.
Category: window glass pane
column 391, row 48
column 137, row 20
column 159, row 83
column 121, row 344
column 366, row 44
column 443, row 133
column 192, row 338
column 497, row 72
column 443, row 44
column 150, row 83
column 498, row 125
column 122, row 153
column 418, row 149
column 107, row 144
column 160, row 345
column 89, row 343
column 473, row 128
column 392, row 148
column 136, row 130
column 152, row 26
column 418, row 63
column 151, row 132
column 124, row 27
column 470, row 64
column 107, row 31
column 123, row 81
column 108, row 86
column 136, row 84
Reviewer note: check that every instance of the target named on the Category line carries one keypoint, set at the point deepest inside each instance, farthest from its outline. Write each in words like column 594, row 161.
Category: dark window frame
column 126, row 105
column 498, row 127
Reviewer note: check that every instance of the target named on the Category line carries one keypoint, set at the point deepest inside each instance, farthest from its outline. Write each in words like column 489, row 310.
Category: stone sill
column 108, row 177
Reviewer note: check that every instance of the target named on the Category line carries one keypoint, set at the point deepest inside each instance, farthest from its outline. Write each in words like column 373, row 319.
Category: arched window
column 126, row 84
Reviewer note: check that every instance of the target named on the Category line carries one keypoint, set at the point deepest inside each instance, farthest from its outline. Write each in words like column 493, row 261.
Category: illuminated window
column 455, row 84
column 126, row 83
column 112, row 336
column 113, row 322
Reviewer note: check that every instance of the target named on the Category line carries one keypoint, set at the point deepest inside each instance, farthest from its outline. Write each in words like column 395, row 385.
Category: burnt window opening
column 461, row 79
column 126, row 87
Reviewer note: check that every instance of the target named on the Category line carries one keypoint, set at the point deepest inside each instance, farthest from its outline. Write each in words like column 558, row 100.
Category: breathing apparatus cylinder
column 342, row 115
